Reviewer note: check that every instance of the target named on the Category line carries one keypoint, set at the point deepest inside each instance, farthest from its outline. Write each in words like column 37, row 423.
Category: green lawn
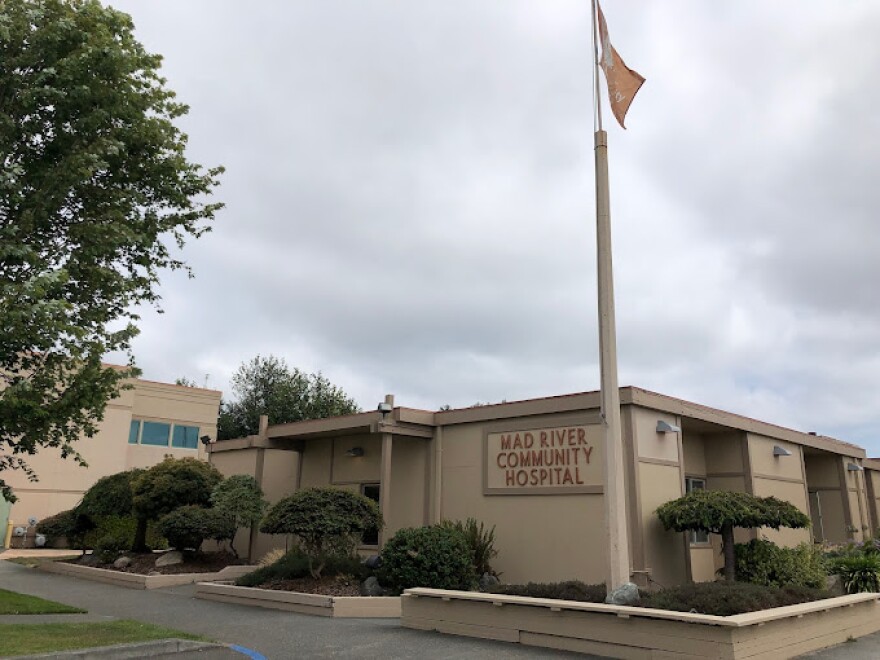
column 23, row 639
column 13, row 603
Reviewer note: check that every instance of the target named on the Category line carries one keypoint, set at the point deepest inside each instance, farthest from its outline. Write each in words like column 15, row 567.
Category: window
column 185, row 437
column 134, row 431
column 155, row 433
column 371, row 534
column 690, row 485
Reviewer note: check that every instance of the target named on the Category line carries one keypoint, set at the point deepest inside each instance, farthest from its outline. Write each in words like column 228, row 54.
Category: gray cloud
column 410, row 201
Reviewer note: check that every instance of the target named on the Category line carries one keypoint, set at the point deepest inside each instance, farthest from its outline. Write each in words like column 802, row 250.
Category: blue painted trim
column 248, row 652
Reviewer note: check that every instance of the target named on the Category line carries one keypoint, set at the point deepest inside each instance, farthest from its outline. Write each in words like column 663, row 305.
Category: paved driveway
column 282, row 635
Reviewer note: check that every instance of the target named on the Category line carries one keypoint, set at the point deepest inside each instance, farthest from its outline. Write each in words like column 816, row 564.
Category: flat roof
column 413, row 418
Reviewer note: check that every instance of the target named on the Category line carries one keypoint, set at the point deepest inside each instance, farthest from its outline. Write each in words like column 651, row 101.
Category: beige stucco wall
column 660, row 479
column 781, row 477
column 541, row 538
column 62, row 482
column 823, row 477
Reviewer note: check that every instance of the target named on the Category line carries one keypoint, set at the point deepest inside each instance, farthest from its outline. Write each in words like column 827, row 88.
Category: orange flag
column 623, row 82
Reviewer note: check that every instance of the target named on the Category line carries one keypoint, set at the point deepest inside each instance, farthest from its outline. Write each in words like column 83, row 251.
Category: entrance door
column 816, row 516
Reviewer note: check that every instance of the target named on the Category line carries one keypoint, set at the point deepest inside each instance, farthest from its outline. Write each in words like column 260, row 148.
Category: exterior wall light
column 666, row 427
column 780, row 451
column 852, row 467
column 384, row 408
column 354, row 452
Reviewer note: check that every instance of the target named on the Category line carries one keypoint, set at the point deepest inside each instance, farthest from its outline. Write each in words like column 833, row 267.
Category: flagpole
column 618, row 563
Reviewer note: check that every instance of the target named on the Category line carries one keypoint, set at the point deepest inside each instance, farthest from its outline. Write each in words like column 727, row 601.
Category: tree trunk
column 729, row 554
column 140, row 536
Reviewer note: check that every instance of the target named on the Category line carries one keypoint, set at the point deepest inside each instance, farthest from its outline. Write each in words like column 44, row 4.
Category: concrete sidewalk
column 277, row 635
column 281, row 635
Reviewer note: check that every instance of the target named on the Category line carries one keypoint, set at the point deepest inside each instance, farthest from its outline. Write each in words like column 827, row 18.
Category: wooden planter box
column 138, row 581
column 643, row 634
column 373, row 607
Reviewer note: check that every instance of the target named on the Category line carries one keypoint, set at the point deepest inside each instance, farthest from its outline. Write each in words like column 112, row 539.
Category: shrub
column 437, row 557
column 858, row 573
column 271, row 557
column 173, row 483
column 728, row 598
column 764, row 562
column 571, row 590
column 327, row 521
column 110, row 495
column 121, row 526
column 60, row 526
column 481, row 541
column 186, row 527
column 110, row 546
column 239, row 500
column 295, row 564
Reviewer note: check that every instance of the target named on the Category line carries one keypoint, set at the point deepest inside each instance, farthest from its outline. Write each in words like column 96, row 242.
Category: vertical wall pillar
column 258, row 475
column 385, row 486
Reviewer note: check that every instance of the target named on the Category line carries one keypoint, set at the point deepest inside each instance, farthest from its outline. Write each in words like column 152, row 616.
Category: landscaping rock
column 170, row 559
column 371, row 587
column 487, row 581
column 122, row 562
column 373, row 562
column 834, row 585
column 89, row 560
column 626, row 594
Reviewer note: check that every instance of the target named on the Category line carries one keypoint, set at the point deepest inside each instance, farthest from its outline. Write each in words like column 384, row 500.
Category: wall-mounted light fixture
column 780, row 451
column 205, row 440
column 354, row 452
column 666, row 427
column 384, row 408
column 853, row 467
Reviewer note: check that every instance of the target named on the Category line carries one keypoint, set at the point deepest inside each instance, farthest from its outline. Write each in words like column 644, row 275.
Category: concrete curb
column 178, row 648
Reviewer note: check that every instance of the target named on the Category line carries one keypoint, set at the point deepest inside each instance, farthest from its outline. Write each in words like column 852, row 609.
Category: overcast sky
column 410, row 204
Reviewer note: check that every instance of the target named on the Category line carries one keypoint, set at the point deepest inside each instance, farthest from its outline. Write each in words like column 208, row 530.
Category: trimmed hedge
column 187, row 527
column 295, row 565
column 437, row 557
column 763, row 562
column 729, row 598
column 571, row 590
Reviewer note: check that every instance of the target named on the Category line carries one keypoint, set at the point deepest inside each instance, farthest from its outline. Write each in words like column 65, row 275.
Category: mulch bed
column 326, row 586
column 145, row 564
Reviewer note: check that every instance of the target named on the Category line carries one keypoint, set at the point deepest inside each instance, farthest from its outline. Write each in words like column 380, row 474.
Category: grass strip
column 24, row 639
column 15, row 603
column 31, row 562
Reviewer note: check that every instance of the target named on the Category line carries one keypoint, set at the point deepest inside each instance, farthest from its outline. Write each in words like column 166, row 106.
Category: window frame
column 695, row 537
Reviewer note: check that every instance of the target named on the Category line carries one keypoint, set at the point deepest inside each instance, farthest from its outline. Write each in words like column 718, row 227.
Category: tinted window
column 155, row 433
column 134, row 431
column 185, row 437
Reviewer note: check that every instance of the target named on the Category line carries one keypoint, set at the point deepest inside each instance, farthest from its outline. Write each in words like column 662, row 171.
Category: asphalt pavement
column 282, row 635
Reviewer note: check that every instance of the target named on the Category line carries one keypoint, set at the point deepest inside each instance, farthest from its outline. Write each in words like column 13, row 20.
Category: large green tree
column 96, row 193
column 268, row 386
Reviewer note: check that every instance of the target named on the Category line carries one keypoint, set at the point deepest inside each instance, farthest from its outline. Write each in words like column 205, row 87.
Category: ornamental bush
column 173, row 483
column 72, row 525
column 187, row 527
column 570, row 590
column 858, row 573
column 763, row 562
column 295, row 564
column 328, row 522
column 238, row 502
column 481, row 541
column 728, row 598
column 437, row 557
column 110, row 495
column 720, row 511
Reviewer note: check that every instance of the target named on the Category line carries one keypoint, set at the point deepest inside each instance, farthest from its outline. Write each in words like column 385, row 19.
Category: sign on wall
column 565, row 459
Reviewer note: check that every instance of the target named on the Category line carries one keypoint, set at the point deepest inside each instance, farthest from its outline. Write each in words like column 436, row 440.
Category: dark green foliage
column 110, row 546
column 268, row 386
column 720, row 511
column 110, row 495
column 122, row 527
column 96, row 197
column 858, row 572
column 57, row 527
column 728, row 598
column 571, row 590
column 481, row 541
column 173, row 483
column 437, row 557
column 237, row 502
column 328, row 522
column 764, row 562
column 295, row 565
column 187, row 526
